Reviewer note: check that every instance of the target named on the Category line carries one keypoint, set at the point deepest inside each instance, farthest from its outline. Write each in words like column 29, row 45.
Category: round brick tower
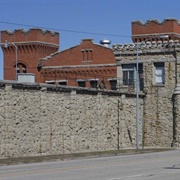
column 25, row 49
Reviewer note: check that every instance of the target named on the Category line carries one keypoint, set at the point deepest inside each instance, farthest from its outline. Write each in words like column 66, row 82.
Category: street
column 157, row 166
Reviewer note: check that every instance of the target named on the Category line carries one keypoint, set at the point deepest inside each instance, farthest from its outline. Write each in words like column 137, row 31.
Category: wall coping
column 65, row 89
column 148, row 46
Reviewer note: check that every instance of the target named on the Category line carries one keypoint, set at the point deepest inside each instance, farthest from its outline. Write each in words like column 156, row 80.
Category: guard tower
column 23, row 50
column 153, row 28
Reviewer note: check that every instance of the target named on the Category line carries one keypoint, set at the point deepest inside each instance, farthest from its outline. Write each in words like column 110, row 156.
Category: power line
column 65, row 30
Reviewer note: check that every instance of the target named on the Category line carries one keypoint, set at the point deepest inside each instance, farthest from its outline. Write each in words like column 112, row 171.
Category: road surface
column 150, row 166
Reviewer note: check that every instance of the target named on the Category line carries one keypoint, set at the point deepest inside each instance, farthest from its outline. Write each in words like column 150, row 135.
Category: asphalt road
column 157, row 166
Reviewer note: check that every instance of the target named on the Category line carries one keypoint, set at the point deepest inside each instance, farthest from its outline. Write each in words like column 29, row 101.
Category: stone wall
column 160, row 121
column 39, row 119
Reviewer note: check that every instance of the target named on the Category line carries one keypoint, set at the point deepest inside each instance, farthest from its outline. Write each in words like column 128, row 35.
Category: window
column 87, row 55
column 113, row 84
column 21, row 68
column 57, row 82
column 18, row 70
column 64, row 83
column 50, row 82
column 128, row 74
column 93, row 84
column 81, row 83
column 159, row 73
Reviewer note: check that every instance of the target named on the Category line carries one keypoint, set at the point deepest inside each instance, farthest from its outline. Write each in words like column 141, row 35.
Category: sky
column 80, row 19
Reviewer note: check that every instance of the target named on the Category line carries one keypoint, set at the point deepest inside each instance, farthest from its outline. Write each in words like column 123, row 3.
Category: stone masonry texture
column 161, row 109
column 44, row 122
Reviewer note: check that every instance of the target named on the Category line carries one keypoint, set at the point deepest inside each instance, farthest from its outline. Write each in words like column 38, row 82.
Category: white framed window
column 128, row 74
column 159, row 73
column 50, row 82
column 18, row 70
column 113, row 83
column 81, row 82
column 21, row 68
column 63, row 83
column 58, row 82
column 93, row 83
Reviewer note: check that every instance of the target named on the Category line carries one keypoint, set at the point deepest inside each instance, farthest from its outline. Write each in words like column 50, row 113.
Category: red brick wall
column 31, row 45
column 74, row 55
column 91, row 66
column 87, row 74
column 35, row 45
column 169, row 27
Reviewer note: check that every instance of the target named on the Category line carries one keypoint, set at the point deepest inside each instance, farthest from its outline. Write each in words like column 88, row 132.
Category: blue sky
column 109, row 19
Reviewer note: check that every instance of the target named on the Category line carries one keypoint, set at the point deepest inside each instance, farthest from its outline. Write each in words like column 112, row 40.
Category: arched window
column 21, row 68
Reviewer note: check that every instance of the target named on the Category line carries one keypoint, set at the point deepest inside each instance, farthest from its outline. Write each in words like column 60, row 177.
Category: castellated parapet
column 142, row 31
column 32, row 45
column 31, row 35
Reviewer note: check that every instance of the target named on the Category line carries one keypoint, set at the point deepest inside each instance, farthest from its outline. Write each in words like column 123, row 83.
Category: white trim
column 159, row 78
column 50, row 81
column 81, row 80
column 61, row 80
column 30, row 74
column 96, row 79
column 79, row 66
column 153, row 35
column 87, row 80
column 83, row 50
column 111, row 79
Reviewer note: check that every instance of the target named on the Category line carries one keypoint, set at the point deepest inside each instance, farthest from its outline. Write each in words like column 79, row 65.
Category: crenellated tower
column 25, row 49
column 143, row 31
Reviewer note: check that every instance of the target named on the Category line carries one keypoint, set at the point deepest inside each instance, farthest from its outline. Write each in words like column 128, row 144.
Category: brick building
column 148, row 37
column 159, row 74
column 31, row 46
column 86, row 65
column 153, row 28
column 158, row 105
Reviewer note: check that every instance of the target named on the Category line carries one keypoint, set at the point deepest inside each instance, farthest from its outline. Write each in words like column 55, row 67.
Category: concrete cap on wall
column 177, row 89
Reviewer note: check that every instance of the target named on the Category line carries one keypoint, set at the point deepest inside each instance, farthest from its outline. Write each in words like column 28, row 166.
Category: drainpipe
column 176, row 104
